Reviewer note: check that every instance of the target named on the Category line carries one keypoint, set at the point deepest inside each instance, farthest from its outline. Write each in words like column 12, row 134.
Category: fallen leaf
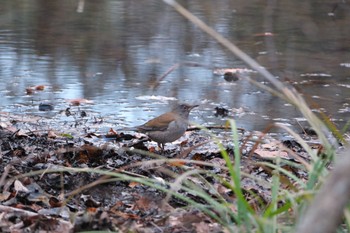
column 79, row 101
column 30, row 90
column 40, row 87
column 271, row 154
column 112, row 132
column 51, row 134
column 142, row 204
column 177, row 163
column 133, row 184
column 19, row 187
column 54, row 202
column 4, row 196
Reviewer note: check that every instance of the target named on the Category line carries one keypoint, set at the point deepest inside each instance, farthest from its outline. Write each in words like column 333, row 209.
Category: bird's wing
column 159, row 123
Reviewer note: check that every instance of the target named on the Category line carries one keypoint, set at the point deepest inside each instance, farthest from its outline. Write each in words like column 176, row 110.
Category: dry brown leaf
column 30, row 90
column 177, row 163
column 142, row 204
column 40, row 87
column 133, row 184
column 21, row 133
column 51, row 134
column 112, row 132
column 5, row 195
column 271, row 154
column 79, row 101
column 54, row 202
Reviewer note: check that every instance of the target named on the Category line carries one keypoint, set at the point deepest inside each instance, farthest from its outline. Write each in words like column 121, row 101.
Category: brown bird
column 167, row 127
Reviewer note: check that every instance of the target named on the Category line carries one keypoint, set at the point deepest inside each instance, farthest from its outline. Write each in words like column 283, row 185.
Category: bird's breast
column 173, row 132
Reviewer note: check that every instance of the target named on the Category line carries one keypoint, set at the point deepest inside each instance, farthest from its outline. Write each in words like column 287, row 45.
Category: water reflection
column 113, row 51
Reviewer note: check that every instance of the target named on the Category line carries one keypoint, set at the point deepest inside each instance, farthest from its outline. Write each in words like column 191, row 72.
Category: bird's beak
column 193, row 106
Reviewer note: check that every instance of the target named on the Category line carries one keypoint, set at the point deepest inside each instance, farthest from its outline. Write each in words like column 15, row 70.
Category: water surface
column 111, row 52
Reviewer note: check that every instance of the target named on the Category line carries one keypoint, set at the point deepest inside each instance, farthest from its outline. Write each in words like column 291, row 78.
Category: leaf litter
column 68, row 201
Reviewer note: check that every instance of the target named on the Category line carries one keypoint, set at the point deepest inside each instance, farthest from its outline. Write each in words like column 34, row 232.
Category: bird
column 167, row 127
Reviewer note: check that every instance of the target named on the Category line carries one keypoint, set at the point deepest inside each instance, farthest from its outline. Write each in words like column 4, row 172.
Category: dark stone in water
column 231, row 77
column 223, row 112
column 46, row 107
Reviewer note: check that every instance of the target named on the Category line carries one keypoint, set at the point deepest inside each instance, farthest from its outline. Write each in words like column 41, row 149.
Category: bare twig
column 177, row 65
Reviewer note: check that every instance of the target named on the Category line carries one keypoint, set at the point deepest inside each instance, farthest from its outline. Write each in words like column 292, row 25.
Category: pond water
column 112, row 52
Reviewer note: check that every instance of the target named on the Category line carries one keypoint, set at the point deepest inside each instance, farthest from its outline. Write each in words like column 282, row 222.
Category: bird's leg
column 161, row 146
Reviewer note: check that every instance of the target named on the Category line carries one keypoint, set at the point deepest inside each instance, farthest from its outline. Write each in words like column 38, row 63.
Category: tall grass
column 317, row 169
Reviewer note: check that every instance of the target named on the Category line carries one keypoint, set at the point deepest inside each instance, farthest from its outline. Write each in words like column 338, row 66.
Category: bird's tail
column 127, row 129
